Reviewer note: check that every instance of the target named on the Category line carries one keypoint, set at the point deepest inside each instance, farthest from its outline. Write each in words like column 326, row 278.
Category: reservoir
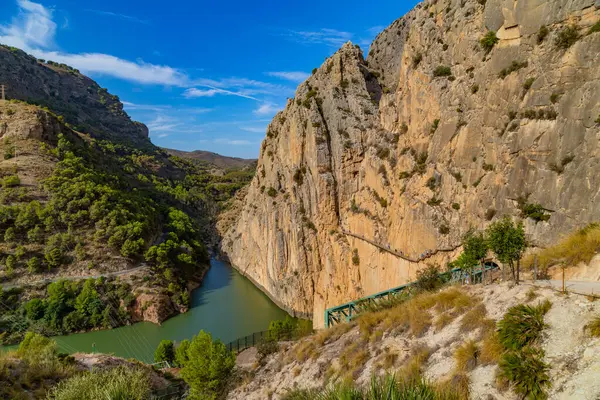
column 227, row 305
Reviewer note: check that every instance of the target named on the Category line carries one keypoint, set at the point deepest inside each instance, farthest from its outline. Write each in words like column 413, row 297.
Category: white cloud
column 267, row 109
column 120, row 16
column 163, row 124
column 254, row 129
column 294, row 76
column 33, row 30
column 212, row 91
column 331, row 37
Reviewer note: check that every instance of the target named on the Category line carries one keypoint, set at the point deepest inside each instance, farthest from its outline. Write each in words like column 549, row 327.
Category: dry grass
column 491, row 349
column 353, row 360
column 474, row 319
column 531, row 295
column 594, row 327
column 415, row 315
column 412, row 368
column 467, row 356
column 579, row 246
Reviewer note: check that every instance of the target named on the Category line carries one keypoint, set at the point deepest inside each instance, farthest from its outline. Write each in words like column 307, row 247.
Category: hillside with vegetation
column 97, row 229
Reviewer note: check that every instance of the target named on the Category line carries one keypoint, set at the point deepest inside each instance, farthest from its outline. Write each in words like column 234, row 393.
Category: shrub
column 34, row 265
column 434, row 126
column 11, row 181
column 417, row 59
column 456, row 206
column 554, row 97
column 514, row 66
column 542, row 33
column 595, row 28
column 428, row 278
column 522, row 325
column 434, row 201
column 488, row 41
column 475, row 88
column 527, row 372
column 528, row 83
column 314, row 71
column 9, row 152
column 165, row 352
column 272, row 192
column 567, row 37
column 432, row 183
column 444, row 229
column 594, row 327
column 267, row 347
column 355, row 257
column 442, row 71
column 534, row 211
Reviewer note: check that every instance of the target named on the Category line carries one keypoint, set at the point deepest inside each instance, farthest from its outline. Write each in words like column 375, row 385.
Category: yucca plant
column 527, row 372
column 522, row 325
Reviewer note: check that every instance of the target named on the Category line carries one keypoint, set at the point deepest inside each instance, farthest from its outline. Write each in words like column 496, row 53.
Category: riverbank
column 226, row 304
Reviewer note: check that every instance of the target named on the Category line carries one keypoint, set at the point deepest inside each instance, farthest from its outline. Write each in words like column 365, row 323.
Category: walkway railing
column 396, row 252
column 246, row 342
column 346, row 312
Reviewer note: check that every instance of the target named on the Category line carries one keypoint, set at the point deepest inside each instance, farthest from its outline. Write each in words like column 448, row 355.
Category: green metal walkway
column 346, row 312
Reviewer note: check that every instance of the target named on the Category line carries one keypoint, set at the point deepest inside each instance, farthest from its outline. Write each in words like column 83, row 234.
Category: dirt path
column 77, row 278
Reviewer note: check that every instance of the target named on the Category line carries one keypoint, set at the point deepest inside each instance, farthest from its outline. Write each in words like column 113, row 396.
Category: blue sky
column 201, row 75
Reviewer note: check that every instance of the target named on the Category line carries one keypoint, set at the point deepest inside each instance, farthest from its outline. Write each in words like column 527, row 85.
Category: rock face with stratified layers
column 379, row 166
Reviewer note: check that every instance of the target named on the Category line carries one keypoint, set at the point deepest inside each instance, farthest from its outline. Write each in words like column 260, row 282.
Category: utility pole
column 2, row 89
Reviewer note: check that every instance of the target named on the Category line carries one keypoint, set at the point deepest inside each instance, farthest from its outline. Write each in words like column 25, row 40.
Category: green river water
column 227, row 305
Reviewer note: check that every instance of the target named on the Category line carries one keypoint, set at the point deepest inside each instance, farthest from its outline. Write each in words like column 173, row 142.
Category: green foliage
column 165, row 352
column 456, row 206
column 267, row 347
column 528, row 83
column 534, row 211
column 594, row 327
column 181, row 355
column 507, row 240
column 208, row 367
column 288, row 329
column 527, row 372
column 522, row 325
column 567, row 37
column 11, row 181
column 34, row 265
column 123, row 383
column 442, row 70
column 272, row 192
column 595, row 28
column 428, row 278
column 417, row 58
column 514, row 66
column 488, row 41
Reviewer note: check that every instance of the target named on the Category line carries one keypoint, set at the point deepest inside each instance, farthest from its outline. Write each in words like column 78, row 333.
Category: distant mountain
column 212, row 158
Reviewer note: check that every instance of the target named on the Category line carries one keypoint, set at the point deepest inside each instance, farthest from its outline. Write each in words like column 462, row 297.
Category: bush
column 442, row 71
column 267, row 347
column 522, row 325
column 34, row 265
column 444, row 229
column 514, row 66
column 11, row 181
column 208, row 366
column 542, row 33
column 417, row 60
column 456, row 206
column 595, row 28
column 567, row 37
column 428, row 279
column 528, row 83
column 594, row 327
column 126, row 383
column 355, row 257
column 272, row 192
column 488, row 41
column 165, row 352
column 527, row 372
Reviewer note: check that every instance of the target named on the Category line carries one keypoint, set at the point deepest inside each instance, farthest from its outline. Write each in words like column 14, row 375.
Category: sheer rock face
column 79, row 100
column 359, row 150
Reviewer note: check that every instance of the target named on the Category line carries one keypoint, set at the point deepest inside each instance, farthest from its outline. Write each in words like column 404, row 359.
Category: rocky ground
column 327, row 356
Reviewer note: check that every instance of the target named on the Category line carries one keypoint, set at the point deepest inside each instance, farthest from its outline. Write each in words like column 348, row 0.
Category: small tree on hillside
column 208, row 366
column 165, row 352
column 507, row 240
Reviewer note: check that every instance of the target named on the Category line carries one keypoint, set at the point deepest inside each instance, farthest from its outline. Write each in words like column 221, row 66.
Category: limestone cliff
column 430, row 135
column 83, row 104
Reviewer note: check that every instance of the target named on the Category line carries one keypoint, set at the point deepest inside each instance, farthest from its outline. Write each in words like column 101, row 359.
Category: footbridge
column 346, row 312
